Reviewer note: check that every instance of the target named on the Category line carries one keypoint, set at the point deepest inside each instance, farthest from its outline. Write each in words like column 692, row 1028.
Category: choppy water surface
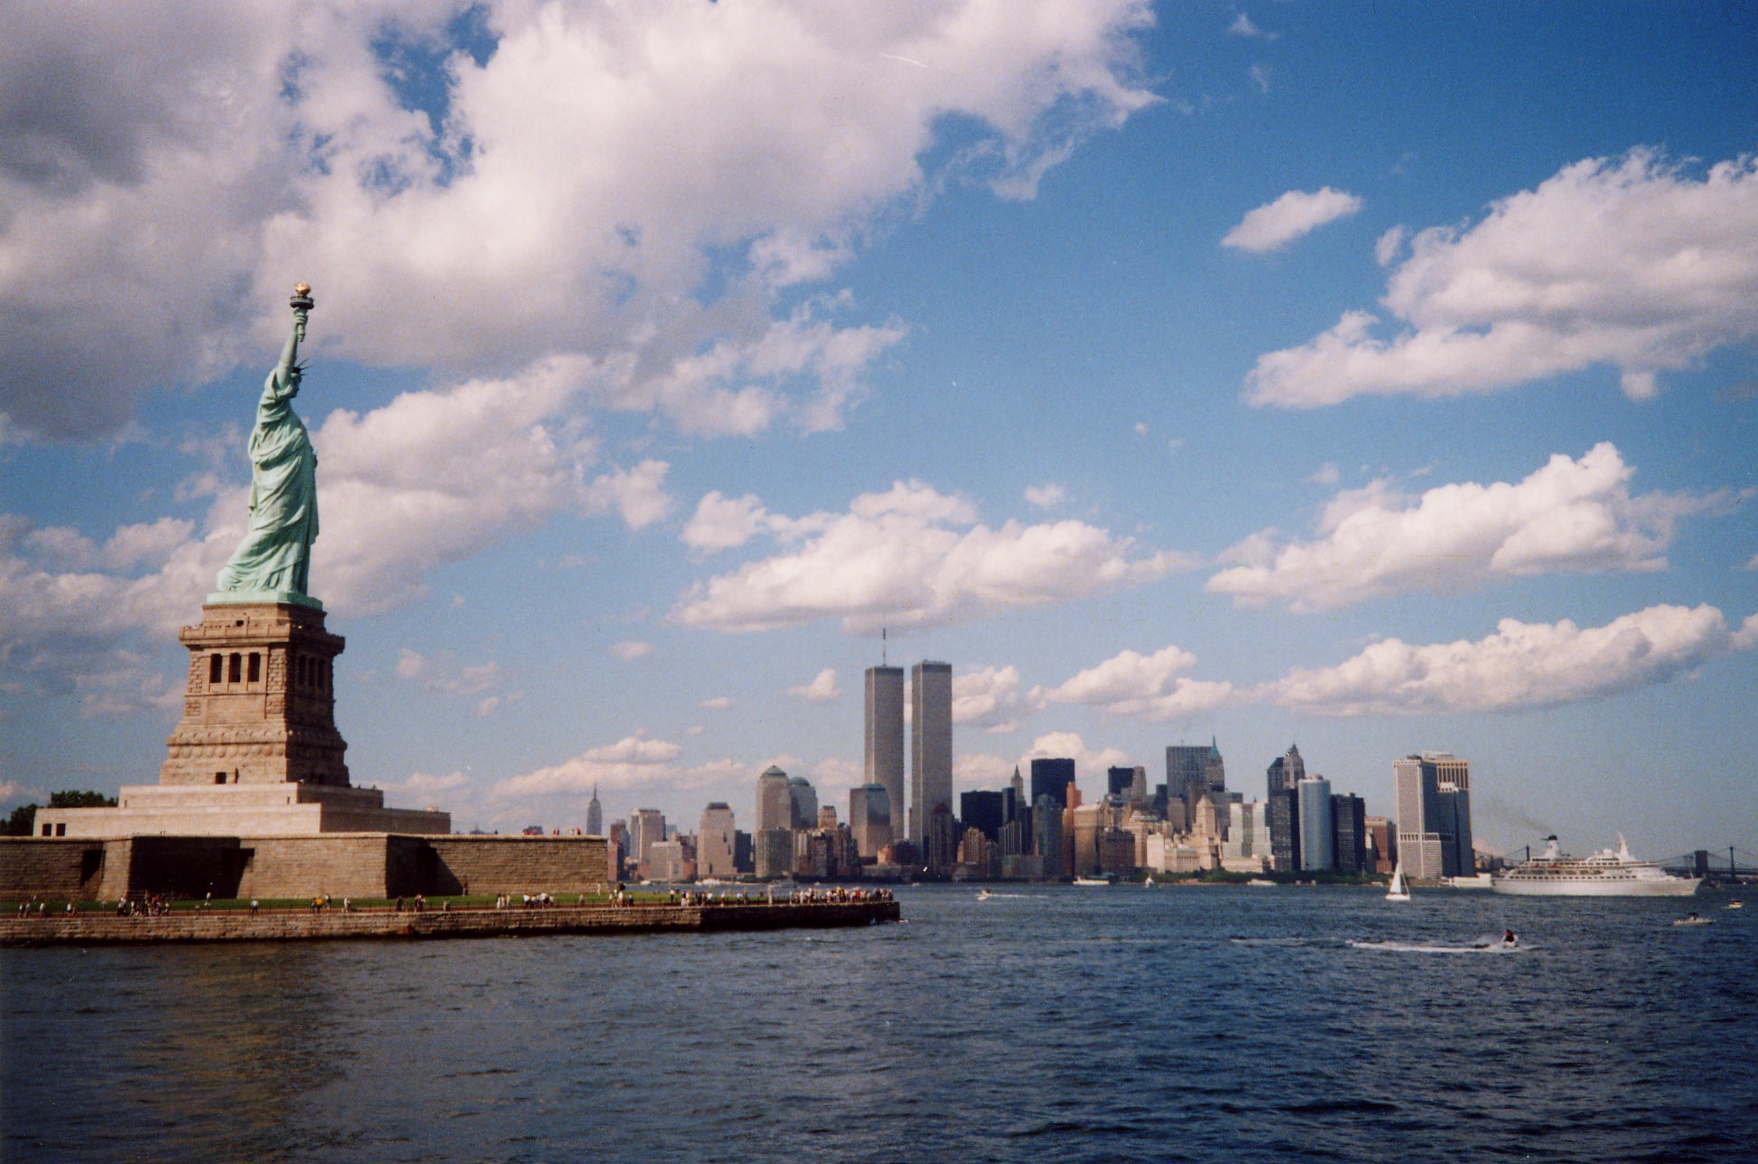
column 1096, row 1024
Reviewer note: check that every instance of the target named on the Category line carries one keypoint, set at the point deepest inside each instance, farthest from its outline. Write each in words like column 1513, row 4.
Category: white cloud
column 1521, row 666
column 1069, row 745
column 418, row 782
column 637, row 494
column 1390, row 245
column 1145, row 686
column 1568, row 516
column 1046, row 496
column 538, row 213
column 441, row 671
column 631, row 649
column 913, row 556
column 1752, row 563
column 1627, row 262
column 1243, row 26
column 631, row 762
column 1295, row 214
column 1326, row 474
column 1141, row 428
column 822, row 688
column 1260, row 80
column 716, row 703
column 987, row 697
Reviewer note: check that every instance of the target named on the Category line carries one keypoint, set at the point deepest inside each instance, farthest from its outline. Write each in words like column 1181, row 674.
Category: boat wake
column 1486, row 944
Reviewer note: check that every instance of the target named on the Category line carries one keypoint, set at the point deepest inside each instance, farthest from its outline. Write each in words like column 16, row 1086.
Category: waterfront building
column 940, row 852
column 1349, row 833
column 1453, row 800
column 1382, row 842
column 1051, row 777
column 869, row 818
column 774, row 856
column 883, row 748
column 1283, row 777
column 670, row 861
column 1417, row 794
column 594, row 815
column 1086, row 822
column 930, row 748
column 744, row 854
column 714, row 842
column 774, row 802
column 619, row 849
column 1316, row 825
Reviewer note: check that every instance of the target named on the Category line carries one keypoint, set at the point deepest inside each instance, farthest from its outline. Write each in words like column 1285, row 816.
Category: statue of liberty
column 275, row 554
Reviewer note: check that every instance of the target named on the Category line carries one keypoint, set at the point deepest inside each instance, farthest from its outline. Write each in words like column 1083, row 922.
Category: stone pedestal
column 259, row 707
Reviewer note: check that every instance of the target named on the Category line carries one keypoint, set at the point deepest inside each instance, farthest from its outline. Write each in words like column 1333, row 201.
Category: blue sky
column 1379, row 378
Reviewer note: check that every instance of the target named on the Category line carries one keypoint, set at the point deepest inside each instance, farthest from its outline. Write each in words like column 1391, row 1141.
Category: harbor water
column 1054, row 1022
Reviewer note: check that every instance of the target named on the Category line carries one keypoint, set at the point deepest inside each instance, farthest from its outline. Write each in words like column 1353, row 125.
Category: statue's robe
column 276, row 551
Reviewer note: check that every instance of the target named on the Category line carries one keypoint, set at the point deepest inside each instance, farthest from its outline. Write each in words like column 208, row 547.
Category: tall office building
column 774, row 806
column 930, row 746
column 1419, row 810
column 802, row 803
column 883, row 749
column 1283, row 778
column 714, row 842
column 1434, row 814
column 1047, row 834
column 984, row 811
column 1382, row 839
column 1317, row 825
column 1453, row 788
column 1349, row 832
column 1017, row 784
column 645, row 830
column 1051, row 777
column 1118, row 781
column 594, row 815
column 869, row 817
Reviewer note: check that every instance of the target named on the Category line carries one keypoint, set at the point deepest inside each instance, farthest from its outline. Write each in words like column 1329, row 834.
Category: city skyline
column 1378, row 380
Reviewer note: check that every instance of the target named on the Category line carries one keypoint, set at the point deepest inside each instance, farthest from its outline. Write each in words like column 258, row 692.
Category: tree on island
column 24, row 817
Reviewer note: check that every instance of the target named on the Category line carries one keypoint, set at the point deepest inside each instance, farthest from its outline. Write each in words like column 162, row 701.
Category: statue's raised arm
column 273, row 561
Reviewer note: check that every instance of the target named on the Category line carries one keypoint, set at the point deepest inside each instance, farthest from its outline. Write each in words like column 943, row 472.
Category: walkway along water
column 236, row 925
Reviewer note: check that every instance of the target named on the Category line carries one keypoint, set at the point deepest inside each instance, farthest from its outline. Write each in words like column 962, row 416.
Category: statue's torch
column 301, row 303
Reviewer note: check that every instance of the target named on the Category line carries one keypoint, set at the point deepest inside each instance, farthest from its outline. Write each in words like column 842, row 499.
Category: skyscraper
column 802, row 803
column 645, row 830
column 1453, row 789
column 930, row 745
column 883, row 749
column 1419, row 810
column 1282, row 807
column 1051, row 777
column 984, row 811
column 869, row 817
column 1350, row 832
column 1317, row 825
column 1186, row 779
column 594, row 815
column 774, row 807
column 714, row 842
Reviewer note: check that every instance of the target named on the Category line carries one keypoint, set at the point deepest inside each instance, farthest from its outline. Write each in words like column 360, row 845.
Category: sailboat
column 1399, row 889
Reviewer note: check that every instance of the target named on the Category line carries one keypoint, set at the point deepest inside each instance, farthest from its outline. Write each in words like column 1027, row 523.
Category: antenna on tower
column 883, row 647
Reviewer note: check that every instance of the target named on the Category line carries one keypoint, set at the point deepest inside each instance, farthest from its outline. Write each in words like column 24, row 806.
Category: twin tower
column 930, row 798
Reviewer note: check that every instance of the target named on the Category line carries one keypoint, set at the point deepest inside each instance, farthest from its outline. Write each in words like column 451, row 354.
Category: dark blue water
column 1090, row 1024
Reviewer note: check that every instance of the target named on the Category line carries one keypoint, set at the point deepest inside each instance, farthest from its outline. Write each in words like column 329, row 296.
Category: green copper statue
column 275, row 556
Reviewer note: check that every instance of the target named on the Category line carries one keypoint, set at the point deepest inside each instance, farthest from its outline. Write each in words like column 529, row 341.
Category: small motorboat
column 1692, row 919
column 1736, row 905
column 985, row 894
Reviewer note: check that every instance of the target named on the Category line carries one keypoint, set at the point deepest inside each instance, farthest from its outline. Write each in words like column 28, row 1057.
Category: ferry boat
column 1607, row 873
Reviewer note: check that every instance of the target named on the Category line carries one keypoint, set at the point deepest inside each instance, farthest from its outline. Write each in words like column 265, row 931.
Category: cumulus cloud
column 631, row 762
column 441, row 671
column 1629, row 262
column 913, row 556
column 528, row 207
column 1069, row 745
column 1294, row 215
column 987, row 697
column 716, row 703
column 631, row 649
column 1522, row 665
column 1046, row 496
column 1568, row 516
column 822, row 688
column 1143, row 686
column 637, row 495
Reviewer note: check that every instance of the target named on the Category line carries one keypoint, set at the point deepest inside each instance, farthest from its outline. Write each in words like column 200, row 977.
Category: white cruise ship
column 1607, row 873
